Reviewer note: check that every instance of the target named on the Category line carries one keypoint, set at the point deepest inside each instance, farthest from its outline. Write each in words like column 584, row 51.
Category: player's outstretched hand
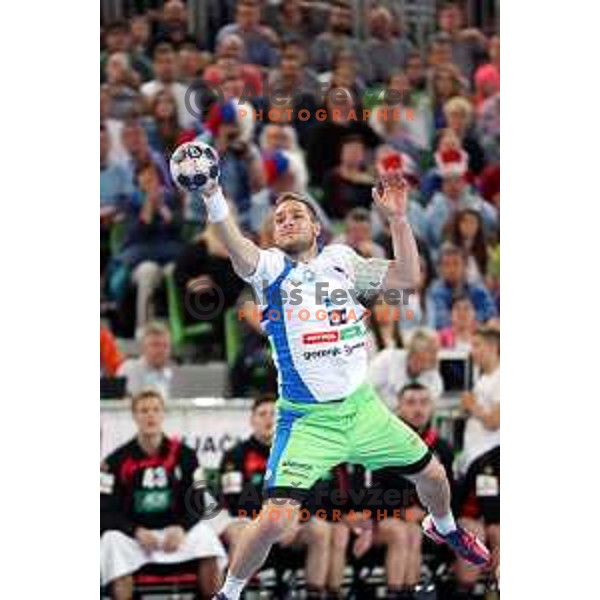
column 174, row 537
column 391, row 191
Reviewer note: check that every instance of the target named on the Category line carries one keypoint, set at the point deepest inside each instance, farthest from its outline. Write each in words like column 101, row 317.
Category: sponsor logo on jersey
column 351, row 332
column 320, row 337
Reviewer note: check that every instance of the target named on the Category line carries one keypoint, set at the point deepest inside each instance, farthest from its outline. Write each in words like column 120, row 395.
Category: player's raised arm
column 244, row 253
column 391, row 197
column 195, row 169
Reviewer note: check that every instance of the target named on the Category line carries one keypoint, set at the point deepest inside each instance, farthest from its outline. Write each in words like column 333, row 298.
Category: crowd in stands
column 294, row 81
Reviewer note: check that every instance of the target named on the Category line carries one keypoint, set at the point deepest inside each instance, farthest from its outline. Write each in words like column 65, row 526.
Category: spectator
column 487, row 77
column 415, row 72
column 242, row 172
column 482, row 405
column 151, row 498
column 488, row 127
column 173, row 25
column 152, row 368
column 135, row 142
column 202, row 270
column 344, row 74
column 458, row 113
column 115, row 179
column 231, row 60
column 110, row 355
column 358, row 234
column 459, row 336
column 121, row 86
column 162, row 126
column 119, row 39
column 454, row 196
column 242, row 473
column 253, row 370
column 260, row 41
column 453, row 282
column 114, row 127
column 445, row 84
column 336, row 39
column 152, row 238
column 465, row 231
column 349, row 185
column 139, row 30
column 402, row 123
column 467, row 45
column 297, row 20
column 383, row 329
column 479, row 496
column 393, row 368
column 385, row 50
column 415, row 213
column 325, row 139
column 165, row 79
column 191, row 63
column 293, row 77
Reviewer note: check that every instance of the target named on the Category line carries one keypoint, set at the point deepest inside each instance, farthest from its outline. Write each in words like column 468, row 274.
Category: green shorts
column 311, row 439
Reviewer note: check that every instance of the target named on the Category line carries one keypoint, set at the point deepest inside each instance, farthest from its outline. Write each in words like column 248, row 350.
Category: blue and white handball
column 194, row 166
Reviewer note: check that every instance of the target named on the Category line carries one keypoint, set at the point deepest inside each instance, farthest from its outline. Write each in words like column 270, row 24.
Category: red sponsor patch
column 320, row 337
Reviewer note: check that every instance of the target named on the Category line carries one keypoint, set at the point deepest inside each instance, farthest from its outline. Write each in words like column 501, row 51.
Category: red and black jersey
column 241, row 474
column 151, row 491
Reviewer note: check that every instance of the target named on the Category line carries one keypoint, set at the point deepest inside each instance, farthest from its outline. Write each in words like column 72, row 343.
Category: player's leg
column 315, row 536
column 120, row 557
column 340, row 538
column 209, row 577
column 122, row 588
column 415, row 539
column 393, row 534
column 308, row 443
column 380, row 439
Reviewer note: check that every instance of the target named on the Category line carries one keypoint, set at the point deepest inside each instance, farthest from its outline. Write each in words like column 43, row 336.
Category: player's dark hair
column 287, row 196
column 414, row 386
column 262, row 399
column 490, row 336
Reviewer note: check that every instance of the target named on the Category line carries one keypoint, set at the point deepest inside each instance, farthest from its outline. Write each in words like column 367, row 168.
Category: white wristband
column 217, row 208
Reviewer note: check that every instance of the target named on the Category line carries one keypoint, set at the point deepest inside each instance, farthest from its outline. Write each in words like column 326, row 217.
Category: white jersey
column 313, row 314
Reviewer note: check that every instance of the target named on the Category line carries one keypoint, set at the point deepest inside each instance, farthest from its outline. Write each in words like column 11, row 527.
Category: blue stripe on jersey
column 285, row 422
column 291, row 386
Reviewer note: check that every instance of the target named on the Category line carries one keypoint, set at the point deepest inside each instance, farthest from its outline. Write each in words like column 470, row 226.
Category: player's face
column 416, row 408
column 157, row 349
column 263, row 421
column 294, row 230
column 149, row 416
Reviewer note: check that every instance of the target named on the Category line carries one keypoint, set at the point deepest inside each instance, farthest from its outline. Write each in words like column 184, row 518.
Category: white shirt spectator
column 479, row 440
column 140, row 375
column 388, row 373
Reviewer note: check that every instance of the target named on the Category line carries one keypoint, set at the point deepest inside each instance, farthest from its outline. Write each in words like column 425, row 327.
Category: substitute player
column 313, row 312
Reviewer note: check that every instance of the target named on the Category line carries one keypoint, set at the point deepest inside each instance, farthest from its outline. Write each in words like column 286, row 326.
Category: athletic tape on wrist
column 217, row 208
